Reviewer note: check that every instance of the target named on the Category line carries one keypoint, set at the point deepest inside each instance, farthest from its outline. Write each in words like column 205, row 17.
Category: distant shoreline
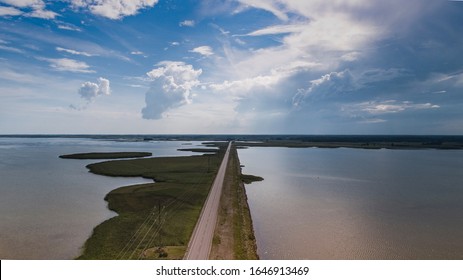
column 392, row 145
column 294, row 141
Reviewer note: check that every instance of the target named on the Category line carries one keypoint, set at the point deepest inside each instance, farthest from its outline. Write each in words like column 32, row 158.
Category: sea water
column 356, row 204
column 48, row 205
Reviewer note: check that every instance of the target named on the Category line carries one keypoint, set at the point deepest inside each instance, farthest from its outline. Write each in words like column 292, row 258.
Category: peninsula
column 156, row 220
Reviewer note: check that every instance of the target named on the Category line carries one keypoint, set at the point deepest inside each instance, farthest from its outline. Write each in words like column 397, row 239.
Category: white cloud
column 172, row 83
column 73, row 51
column 66, row 26
column 70, row 65
column 442, row 79
column 9, row 11
column 189, row 23
column 279, row 29
column 203, row 50
column 314, row 37
column 37, row 6
column 39, row 13
column 23, row 3
column 243, row 86
column 240, row 42
column 137, row 53
column 89, row 91
column 351, row 56
column 114, row 9
column 388, row 107
column 314, row 46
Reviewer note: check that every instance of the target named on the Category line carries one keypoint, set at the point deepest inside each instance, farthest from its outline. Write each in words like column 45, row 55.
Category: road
column 201, row 239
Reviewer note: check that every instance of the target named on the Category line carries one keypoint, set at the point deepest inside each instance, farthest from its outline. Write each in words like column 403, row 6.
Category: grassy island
column 199, row 150
column 248, row 179
column 111, row 155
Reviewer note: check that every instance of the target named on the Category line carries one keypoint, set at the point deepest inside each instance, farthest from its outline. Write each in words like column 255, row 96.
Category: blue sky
column 231, row 66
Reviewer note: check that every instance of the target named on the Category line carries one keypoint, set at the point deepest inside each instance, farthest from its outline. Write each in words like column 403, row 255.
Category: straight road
column 201, row 239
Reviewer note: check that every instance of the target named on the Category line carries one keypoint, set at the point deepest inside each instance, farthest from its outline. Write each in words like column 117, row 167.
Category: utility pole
column 160, row 224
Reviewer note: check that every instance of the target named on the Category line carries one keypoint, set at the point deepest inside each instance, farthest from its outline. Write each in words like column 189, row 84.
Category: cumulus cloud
column 189, row 23
column 70, row 65
column 89, row 91
column 319, row 36
column 203, row 50
column 114, row 9
column 171, row 87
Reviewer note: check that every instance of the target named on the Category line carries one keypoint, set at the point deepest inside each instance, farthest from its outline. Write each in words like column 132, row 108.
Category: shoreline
column 372, row 145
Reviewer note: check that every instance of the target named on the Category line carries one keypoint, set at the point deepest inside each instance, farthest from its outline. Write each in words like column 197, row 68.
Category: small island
column 248, row 179
column 198, row 150
column 111, row 155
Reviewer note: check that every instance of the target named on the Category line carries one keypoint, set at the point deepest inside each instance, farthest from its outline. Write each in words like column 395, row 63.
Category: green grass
column 248, row 179
column 234, row 236
column 112, row 155
column 154, row 214
column 198, row 150
column 245, row 247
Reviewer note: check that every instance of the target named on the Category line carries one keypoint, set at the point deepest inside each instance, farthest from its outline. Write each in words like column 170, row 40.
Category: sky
column 231, row 67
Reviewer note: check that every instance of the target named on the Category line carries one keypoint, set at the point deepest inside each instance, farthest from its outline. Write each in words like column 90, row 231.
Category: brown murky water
column 356, row 204
column 49, row 206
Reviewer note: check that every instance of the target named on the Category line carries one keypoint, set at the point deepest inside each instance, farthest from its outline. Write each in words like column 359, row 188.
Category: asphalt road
column 201, row 239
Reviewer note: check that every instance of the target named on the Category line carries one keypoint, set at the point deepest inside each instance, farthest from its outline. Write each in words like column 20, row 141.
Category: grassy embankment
column 234, row 234
column 155, row 215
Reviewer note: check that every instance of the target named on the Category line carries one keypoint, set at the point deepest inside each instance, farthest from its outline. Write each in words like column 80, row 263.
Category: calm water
column 356, row 204
column 49, row 206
